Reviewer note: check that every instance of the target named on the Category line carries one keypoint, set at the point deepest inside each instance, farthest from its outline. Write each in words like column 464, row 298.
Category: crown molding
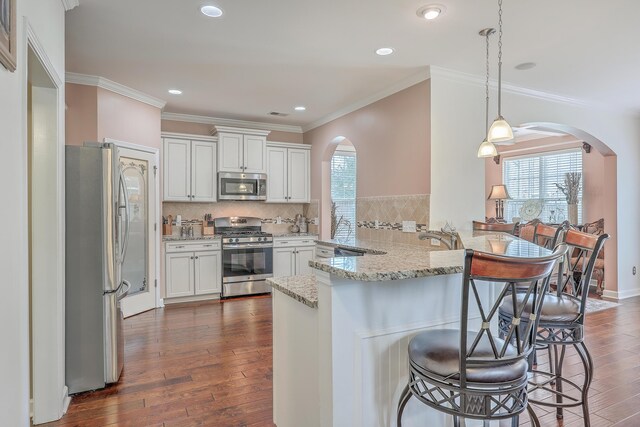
column 179, row 135
column 70, row 4
column 460, row 77
column 216, row 121
column 101, row 82
column 397, row 87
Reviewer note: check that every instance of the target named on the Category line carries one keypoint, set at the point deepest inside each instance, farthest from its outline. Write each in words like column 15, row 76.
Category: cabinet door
column 203, row 171
column 283, row 262
column 255, row 154
column 277, row 175
column 176, row 176
column 179, row 274
column 303, row 256
column 208, row 274
column 298, row 175
column 230, row 152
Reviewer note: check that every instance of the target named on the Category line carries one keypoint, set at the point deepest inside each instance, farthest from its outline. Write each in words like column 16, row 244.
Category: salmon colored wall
column 186, row 127
column 592, row 168
column 94, row 114
column 81, row 119
column 205, row 129
column 126, row 119
column 392, row 141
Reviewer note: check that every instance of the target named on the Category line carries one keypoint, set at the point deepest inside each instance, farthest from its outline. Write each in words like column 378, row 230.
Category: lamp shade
column 487, row 149
column 500, row 132
column 499, row 192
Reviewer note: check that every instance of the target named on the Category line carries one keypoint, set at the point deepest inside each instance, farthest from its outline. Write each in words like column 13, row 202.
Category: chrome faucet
column 448, row 238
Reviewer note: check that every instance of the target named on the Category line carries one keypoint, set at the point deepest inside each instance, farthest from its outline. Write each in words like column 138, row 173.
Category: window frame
column 345, row 151
column 561, row 197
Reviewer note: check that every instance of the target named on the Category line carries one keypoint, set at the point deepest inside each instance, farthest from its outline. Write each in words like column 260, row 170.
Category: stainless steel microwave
column 242, row 186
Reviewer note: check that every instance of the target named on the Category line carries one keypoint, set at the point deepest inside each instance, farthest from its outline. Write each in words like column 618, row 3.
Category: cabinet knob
column 196, row 257
column 191, row 258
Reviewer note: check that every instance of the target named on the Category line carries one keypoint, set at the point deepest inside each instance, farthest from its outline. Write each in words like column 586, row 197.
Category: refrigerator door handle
column 125, row 206
column 126, row 292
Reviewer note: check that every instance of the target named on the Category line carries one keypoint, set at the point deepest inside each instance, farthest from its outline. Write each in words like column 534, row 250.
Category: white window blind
column 343, row 191
column 534, row 177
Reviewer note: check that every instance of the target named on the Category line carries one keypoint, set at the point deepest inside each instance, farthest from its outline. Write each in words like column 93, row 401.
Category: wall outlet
column 408, row 226
column 278, row 219
column 435, row 242
column 316, row 221
column 377, row 224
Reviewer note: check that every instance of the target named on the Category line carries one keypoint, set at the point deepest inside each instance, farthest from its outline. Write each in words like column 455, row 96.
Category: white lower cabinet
column 291, row 256
column 193, row 269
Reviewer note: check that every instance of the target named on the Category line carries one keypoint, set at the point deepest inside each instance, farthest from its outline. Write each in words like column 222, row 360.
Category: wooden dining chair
column 504, row 228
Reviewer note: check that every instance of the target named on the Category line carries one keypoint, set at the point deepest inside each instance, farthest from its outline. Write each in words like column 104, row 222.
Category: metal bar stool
column 474, row 374
column 498, row 226
column 548, row 236
column 561, row 323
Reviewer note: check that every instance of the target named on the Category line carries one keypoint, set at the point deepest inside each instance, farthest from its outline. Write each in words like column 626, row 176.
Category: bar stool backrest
column 576, row 275
column 509, row 272
column 548, row 236
column 505, row 228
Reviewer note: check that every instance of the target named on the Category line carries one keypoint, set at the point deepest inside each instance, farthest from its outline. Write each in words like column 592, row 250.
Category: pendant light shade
column 500, row 132
column 487, row 149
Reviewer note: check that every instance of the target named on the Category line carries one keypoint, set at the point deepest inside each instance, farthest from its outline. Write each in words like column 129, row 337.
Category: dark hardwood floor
column 211, row 365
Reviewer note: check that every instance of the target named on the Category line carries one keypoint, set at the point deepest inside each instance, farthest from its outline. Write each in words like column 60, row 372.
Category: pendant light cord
column 486, row 88
column 499, row 58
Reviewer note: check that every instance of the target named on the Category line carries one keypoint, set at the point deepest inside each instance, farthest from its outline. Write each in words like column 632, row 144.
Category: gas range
column 247, row 255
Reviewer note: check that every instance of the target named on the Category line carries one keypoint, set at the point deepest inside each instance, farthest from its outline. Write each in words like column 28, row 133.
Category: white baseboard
column 66, row 400
column 619, row 295
column 195, row 298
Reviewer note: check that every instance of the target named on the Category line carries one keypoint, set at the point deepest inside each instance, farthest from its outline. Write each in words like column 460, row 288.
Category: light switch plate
column 408, row 226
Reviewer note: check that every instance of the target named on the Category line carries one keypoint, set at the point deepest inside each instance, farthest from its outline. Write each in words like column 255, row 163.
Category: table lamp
column 499, row 193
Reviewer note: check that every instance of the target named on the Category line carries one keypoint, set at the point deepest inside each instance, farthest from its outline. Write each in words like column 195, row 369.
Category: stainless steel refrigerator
column 97, row 228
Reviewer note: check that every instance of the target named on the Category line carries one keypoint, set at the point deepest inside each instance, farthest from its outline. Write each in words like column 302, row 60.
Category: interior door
column 138, row 267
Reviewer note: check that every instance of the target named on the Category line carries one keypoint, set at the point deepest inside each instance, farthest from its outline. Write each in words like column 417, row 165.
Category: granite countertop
column 300, row 288
column 289, row 235
column 178, row 238
column 397, row 261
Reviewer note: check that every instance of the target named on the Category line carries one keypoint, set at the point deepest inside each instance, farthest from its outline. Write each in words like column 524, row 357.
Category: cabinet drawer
column 324, row 252
column 294, row 242
column 193, row 246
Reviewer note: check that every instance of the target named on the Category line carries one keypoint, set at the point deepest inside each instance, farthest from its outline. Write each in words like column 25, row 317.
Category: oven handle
column 250, row 246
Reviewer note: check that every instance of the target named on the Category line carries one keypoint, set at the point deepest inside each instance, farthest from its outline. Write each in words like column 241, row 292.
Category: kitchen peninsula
column 340, row 336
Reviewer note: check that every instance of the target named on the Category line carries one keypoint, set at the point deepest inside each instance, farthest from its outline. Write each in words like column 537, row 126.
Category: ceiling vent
column 276, row 113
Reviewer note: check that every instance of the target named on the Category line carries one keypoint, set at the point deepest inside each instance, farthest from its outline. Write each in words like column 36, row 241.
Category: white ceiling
column 264, row 56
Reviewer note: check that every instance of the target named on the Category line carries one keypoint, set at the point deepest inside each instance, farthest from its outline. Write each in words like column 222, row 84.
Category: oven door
column 241, row 186
column 246, row 264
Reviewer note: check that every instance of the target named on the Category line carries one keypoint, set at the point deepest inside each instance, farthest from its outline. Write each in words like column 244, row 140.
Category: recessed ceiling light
column 175, row 91
column 431, row 12
column 300, row 108
column 211, row 11
column 384, row 51
column 525, row 66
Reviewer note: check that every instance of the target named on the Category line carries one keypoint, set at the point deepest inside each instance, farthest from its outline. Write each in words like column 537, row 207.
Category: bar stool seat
column 564, row 308
column 438, row 352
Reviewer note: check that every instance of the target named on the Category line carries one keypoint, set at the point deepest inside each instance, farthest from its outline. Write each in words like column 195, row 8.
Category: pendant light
column 500, row 131
column 487, row 149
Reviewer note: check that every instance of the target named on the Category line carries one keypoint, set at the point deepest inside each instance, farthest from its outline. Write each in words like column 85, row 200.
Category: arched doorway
column 599, row 172
column 339, row 190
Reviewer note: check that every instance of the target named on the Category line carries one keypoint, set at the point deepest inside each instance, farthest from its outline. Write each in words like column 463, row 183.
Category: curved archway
column 325, row 196
column 608, row 194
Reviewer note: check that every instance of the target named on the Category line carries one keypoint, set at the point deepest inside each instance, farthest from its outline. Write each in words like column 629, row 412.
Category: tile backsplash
column 389, row 212
column 268, row 212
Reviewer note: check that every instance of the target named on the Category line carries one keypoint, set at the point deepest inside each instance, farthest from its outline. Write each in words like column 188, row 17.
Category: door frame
column 49, row 399
column 155, row 247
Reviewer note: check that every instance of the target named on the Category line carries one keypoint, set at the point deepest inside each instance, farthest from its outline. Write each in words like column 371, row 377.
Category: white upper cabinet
column 230, row 152
column 288, row 173
column 299, row 175
column 203, row 172
column 277, row 175
column 242, row 150
column 189, row 172
column 177, row 170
